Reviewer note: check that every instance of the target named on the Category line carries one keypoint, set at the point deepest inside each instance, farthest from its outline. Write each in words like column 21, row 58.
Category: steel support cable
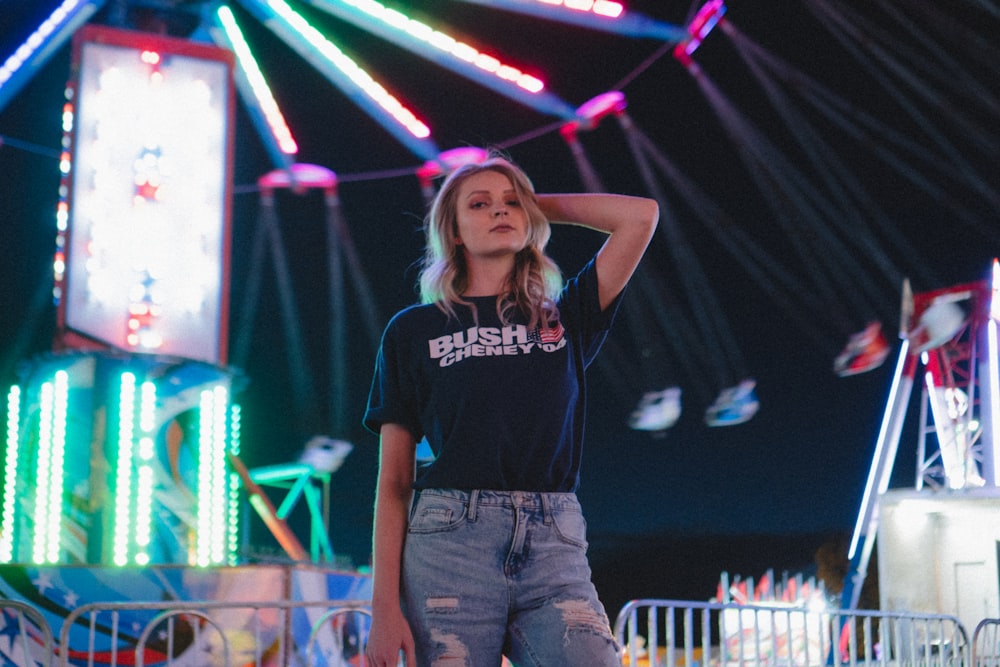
column 955, row 75
column 835, row 175
column 781, row 287
column 268, row 233
column 909, row 68
column 701, row 300
column 341, row 248
column 363, row 288
column 873, row 133
column 980, row 47
column 987, row 6
column 980, row 137
column 919, row 68
column 591, row 180
column 673, row 325
column 649, row 339
column 952, row 156
column 240, row 350
column 762, row 174
column 692, row 348
column 706, row 308
column 338, row 319
column 849, row 36
column 662, row 338
column 840, row 179
column 804, row 198
column 828, row 250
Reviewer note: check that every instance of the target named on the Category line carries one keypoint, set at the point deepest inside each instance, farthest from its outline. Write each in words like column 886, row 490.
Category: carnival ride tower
column 945, row 530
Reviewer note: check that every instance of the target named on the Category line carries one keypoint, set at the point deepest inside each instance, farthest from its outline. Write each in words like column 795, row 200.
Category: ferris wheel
column 217, row 23
column 840, row 299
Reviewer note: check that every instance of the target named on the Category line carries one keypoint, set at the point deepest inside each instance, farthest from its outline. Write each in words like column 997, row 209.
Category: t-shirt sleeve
column 581, row 304
column 392, row 399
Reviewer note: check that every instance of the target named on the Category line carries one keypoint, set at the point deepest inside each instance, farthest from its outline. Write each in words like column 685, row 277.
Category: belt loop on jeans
column 546, row 508
column 473, row 502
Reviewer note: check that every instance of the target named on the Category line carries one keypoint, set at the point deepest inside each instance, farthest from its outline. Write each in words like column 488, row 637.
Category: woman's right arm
column 390, row 633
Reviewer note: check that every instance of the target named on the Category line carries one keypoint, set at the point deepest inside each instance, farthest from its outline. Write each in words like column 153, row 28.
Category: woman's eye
column 513, row 202
column 477, row 204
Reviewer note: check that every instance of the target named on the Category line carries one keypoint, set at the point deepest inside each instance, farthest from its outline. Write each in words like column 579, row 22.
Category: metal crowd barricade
column 673, row 633
column 333, row 621
column 986, row 643
column 317, row 633
column 21, row 620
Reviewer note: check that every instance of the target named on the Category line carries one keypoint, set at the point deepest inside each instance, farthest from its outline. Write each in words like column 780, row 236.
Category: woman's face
column 491, row 220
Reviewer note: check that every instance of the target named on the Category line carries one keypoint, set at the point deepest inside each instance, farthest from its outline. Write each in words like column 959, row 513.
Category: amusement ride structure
column 123, row 445
column 141, row 270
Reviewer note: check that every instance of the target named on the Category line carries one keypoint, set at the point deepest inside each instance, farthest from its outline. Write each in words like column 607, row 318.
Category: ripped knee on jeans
column 449, row 651
column 581, row 616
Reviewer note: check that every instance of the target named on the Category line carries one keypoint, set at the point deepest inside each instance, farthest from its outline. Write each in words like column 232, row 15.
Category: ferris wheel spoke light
column 344, row 73
column 698, row 29
column 596, row 109
column 597, row 7
column 449, row 160
column 31, row 55
column 446, row 51
column 602, row 15
column 253, row 79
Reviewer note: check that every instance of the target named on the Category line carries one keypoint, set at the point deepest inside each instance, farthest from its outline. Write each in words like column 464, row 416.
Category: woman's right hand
column 390, row 635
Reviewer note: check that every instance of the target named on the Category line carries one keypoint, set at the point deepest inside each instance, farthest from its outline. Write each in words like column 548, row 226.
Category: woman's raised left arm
column 629, row 221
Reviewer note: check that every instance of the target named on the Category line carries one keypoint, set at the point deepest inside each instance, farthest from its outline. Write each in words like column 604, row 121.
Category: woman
column 482, row 552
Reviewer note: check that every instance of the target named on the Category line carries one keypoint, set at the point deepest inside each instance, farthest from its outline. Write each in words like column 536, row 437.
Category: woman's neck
column 489, row 277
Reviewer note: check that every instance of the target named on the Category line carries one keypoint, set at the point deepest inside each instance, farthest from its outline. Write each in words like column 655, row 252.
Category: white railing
column 672, row 633
column 29, row 635
column 326, row 633
column 986, row 643
column 332, row 633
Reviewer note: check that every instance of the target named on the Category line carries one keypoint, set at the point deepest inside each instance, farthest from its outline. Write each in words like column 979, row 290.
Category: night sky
column 808, row 198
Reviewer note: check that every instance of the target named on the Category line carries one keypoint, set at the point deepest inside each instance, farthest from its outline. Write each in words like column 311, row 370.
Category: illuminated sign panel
column 146, row 241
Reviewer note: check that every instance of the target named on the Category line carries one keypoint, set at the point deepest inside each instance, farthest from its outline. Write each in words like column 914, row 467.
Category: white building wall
column 937, row 553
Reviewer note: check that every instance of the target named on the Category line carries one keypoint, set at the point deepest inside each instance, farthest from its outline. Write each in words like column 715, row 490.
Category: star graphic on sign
column 70, row 599
column 147, row 190
column 11, row 625
column 43, row 582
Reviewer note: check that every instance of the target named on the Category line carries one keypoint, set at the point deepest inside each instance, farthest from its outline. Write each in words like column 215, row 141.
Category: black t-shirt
column 502, row 407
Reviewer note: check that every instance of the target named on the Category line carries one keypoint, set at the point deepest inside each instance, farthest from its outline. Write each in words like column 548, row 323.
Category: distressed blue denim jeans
column 491, row 573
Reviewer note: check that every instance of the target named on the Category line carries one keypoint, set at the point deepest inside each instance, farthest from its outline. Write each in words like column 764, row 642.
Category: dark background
column 915, row 88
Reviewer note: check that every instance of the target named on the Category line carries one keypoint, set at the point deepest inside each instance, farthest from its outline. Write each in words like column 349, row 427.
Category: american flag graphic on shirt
column 550, row 335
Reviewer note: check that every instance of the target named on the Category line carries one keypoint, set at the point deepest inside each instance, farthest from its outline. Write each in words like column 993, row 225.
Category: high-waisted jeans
column 491, row 573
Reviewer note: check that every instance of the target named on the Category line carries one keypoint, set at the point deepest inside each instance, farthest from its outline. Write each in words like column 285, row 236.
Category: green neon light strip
column 213, row 481
column 57, row 467
column 204, row 519
column 144, row 482
column 123, row 471
column 40, row 537
column 220, row 479
column 10, row 475
column 235, row 486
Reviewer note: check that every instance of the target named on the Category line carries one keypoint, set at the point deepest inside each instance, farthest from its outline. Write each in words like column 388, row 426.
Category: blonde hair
column 535, row 280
